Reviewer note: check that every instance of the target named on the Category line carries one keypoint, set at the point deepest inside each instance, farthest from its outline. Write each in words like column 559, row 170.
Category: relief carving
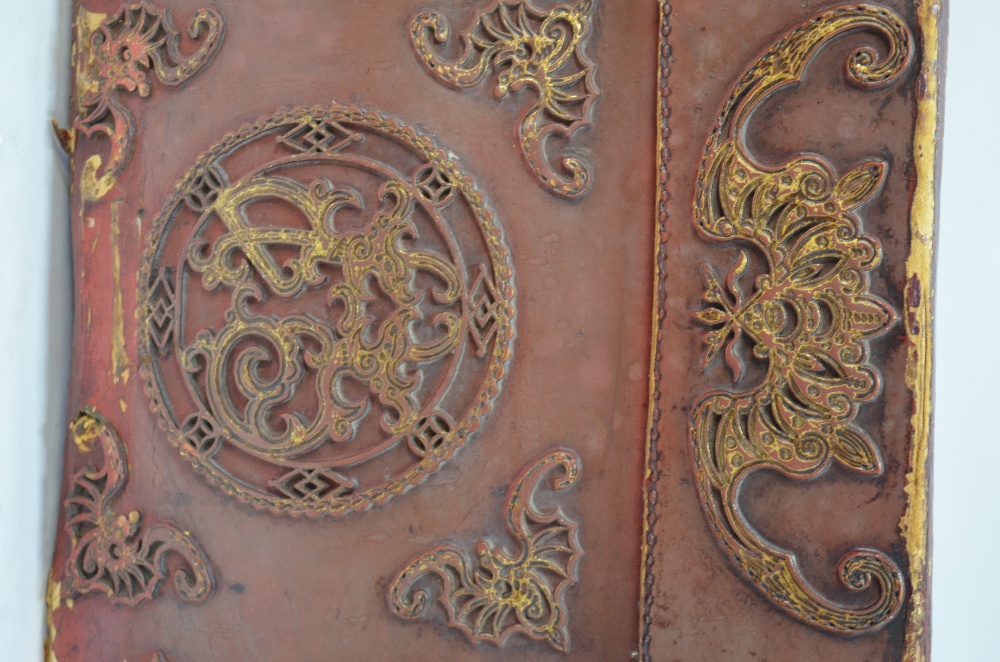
column 115, row 55
column 110, row 553
column 503, row 593
column 808, row 315
column 652, row 472
column 327, row 311
column 527, row 47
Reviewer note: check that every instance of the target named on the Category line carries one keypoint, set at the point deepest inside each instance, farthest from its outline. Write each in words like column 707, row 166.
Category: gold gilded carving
column 506, row 593
column 114, row 55
column 808, row 316
column 110, row 554
column 526, row 47
column 372, row 254
column 310, row 351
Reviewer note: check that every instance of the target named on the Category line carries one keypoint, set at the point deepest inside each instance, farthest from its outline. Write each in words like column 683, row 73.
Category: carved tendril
column 808, row 317
column 508, row 593
column 116, row 55
column 527, row 48
column 110, row 553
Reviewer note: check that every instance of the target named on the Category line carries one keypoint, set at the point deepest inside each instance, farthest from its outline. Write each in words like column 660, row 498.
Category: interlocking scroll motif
column 110, row 554
column 527, row 47
column 328, row 346
column 508, row 593
column 115, row 55
column 809, row 317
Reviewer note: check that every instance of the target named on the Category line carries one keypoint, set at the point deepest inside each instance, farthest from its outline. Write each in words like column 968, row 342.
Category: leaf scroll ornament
column 116, row 55
column 527, row 47
column 808, row 318
column 110, row 553
column 508, row 593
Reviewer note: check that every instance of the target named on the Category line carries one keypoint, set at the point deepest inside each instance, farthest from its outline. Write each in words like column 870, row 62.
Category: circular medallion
column 326, row 311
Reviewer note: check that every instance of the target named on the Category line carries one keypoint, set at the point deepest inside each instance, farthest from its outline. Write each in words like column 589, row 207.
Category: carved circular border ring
column 500, row 353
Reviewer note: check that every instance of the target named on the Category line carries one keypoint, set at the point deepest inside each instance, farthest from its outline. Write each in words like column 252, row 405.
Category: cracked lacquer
column 808, row 316
column 506, row 593
column 527, row 47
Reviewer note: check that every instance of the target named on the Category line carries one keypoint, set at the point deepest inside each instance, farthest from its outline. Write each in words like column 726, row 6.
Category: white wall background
column 36, row 298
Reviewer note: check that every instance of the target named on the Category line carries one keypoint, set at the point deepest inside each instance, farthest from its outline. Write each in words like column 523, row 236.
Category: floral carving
column 508, row 593
column 115, row 55
column 110, row 553
column 527, row 47
column 808, row 316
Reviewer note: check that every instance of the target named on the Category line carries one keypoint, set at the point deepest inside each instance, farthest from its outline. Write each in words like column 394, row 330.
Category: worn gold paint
column 87, row 22
column 85, row 431
column 117, row 54
column 92, row 187
column 506, row 594
column 119, row 358
column 53, row 596
column 526, row 46
column 914, row 525
column 375, row 252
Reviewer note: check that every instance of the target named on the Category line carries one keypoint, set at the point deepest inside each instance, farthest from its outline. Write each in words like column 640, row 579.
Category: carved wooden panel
column 796, row 206
column 499, row 329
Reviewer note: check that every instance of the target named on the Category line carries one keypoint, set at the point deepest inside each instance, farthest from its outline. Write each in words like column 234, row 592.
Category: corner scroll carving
column 115, row 55
column 808, row 315
column 526, row 47
column 110, row 554
column 507, row 593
